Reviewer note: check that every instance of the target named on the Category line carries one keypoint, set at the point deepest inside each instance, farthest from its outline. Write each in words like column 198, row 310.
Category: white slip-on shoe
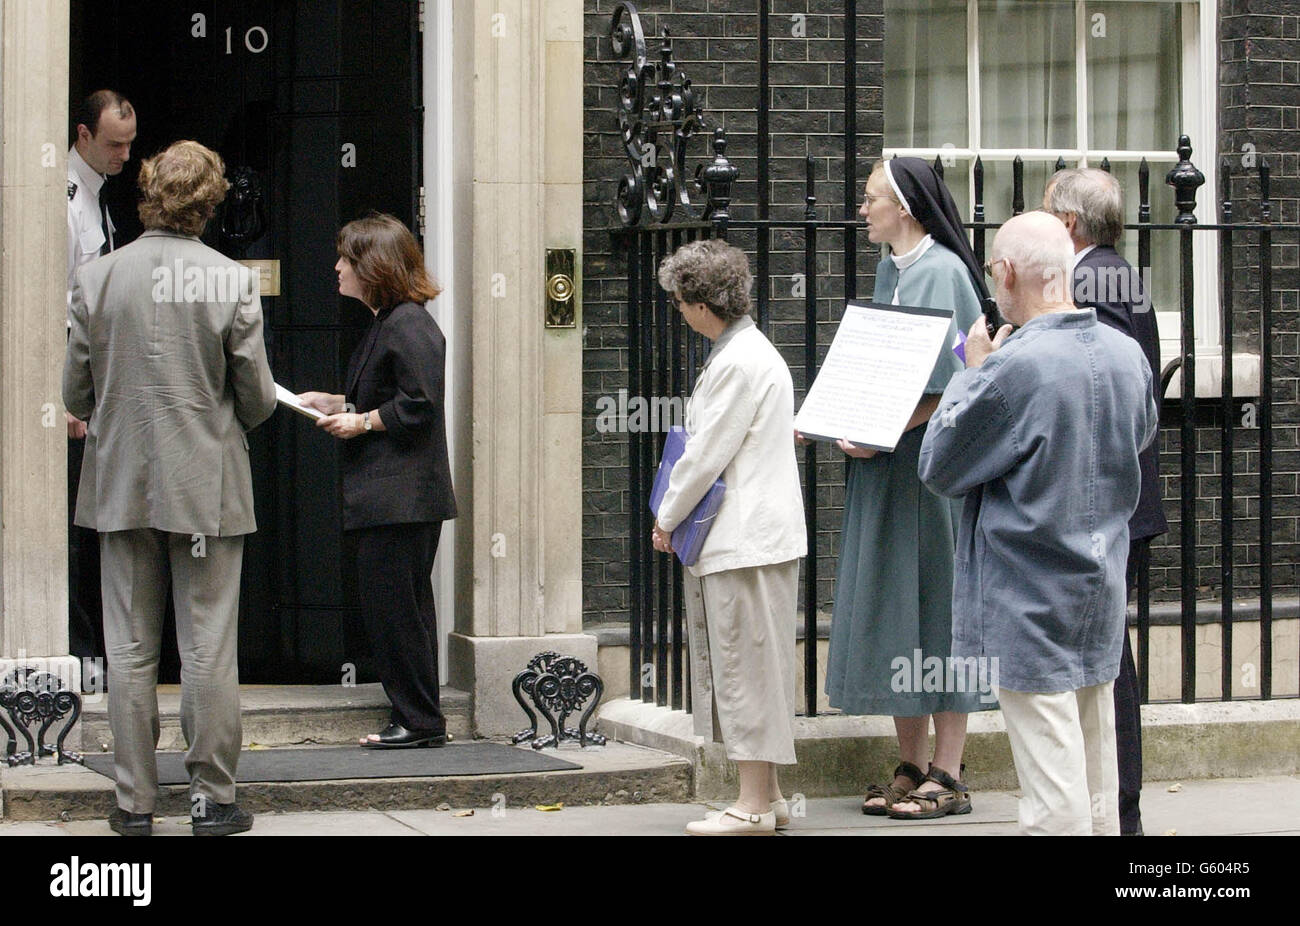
column 780, row 809
column 733, row 822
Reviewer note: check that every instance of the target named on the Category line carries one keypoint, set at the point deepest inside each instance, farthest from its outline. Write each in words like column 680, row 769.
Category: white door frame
column 440, row 257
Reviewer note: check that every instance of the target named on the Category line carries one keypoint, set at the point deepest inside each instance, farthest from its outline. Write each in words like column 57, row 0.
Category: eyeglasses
column 871, row 200
column 678, row 303
column 990, row 264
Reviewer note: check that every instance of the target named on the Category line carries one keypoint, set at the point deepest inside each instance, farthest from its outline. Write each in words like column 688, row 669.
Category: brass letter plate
column 269, row 273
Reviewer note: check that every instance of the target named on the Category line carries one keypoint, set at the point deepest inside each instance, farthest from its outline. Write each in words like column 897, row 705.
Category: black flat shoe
column 125, row 823
column 397, row 736
column 221, row 820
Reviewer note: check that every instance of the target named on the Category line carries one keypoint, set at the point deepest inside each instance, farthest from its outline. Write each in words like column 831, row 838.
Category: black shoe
column 397, row 736
column 125, row 823
column 221, row 820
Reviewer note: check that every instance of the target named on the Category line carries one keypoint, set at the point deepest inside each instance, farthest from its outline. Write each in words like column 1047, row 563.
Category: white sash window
column 1072, row 79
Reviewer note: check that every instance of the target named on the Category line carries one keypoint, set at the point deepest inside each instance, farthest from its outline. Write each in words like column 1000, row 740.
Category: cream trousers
column 1063, row 744
column 741, row 625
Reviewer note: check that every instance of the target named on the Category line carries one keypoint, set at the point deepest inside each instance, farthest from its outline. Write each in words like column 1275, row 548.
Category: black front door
column 316, row 103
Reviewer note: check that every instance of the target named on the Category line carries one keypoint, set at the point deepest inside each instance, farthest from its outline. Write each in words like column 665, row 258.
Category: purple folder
column 688, row 537
column 960, row 348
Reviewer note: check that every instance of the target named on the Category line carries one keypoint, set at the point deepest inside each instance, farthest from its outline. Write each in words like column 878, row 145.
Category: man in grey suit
column 166, row 361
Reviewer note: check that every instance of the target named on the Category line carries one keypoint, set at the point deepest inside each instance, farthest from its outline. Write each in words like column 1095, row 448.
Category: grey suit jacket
column 166, row 361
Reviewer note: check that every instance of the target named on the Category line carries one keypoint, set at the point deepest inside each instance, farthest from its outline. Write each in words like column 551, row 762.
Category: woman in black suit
column 396, row 480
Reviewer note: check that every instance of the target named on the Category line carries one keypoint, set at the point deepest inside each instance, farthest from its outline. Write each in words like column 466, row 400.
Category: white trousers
column 1063, row 745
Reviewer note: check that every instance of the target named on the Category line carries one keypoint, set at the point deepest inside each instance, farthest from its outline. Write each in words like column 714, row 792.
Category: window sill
column 1209, row 373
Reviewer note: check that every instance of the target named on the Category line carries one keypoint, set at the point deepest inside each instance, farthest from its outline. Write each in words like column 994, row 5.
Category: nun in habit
column 893, row 591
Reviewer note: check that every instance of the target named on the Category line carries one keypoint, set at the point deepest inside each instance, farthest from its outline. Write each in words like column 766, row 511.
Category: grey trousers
column 205, row 586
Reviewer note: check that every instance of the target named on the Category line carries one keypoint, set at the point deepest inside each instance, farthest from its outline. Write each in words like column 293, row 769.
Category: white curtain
column 1028, row 96
column 1027, row 92
column 1027, row 74
column 925, row 74
column 1135, row 53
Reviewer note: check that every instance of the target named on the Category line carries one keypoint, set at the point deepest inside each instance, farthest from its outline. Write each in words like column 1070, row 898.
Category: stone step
column 840, row 754
column 280, row 715
column 614, row 774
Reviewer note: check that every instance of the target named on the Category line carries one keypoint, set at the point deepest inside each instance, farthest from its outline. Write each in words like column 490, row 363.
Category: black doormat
column 331, row 763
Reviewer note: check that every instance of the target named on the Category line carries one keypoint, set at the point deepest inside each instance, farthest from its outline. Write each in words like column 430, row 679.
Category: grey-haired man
column 1040, row 436
column 1090, row 203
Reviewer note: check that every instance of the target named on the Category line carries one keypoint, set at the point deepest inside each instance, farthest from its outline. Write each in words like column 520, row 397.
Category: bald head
column 1032, row 254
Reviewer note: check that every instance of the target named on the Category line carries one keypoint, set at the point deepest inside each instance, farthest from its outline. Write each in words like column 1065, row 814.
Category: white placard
column 874, row 374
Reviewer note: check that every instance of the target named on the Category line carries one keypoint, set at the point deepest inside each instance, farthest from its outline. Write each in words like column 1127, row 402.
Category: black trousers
column 1128, row 721
column 85, row 608
column 394, row 563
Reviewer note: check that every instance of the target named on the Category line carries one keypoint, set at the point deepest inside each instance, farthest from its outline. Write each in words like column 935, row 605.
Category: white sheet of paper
column 285, row 397
column 874, row 374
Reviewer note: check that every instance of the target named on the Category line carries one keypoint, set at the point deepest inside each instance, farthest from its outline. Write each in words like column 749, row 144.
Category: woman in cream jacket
column 741, row 592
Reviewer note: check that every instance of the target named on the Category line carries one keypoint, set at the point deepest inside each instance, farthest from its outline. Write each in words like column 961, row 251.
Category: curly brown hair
column 387, row 261
column 712, row 272
column 182, row 187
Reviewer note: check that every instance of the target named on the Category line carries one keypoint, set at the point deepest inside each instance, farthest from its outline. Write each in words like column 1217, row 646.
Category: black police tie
column 103, row 224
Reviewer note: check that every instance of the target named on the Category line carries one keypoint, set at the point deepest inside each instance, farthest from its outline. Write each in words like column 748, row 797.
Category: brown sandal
column 952, row 798
column 891, row 794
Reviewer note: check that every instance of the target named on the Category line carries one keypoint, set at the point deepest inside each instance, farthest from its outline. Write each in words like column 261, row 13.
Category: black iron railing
column 659, row 115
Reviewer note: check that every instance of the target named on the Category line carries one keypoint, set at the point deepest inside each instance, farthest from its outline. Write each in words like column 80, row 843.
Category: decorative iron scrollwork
column 559, row 686
column 658, row 113
column 31, row 696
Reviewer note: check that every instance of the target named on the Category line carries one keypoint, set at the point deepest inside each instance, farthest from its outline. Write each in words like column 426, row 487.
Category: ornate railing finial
column 657, row 114
column 716, row 180
column 1185, row 179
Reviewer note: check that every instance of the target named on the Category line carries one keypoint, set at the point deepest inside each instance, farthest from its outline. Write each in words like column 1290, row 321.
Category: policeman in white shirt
column 105, row 125
column 105, row 130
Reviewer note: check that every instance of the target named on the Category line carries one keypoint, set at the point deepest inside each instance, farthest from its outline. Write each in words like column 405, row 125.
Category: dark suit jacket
column 400, row 475
column 1123, row 304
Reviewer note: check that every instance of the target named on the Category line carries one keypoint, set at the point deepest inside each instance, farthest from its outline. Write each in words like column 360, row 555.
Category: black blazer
column 400, row 475
column 1097, row 285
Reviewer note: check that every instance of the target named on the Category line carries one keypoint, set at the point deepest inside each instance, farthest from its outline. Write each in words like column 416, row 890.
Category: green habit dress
column 893, row 593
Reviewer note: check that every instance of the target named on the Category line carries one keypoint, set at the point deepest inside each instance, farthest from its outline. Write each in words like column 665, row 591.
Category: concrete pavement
column 1215, row 807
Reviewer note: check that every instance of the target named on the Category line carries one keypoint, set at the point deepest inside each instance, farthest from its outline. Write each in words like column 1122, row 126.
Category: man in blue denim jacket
column 1040, row 435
